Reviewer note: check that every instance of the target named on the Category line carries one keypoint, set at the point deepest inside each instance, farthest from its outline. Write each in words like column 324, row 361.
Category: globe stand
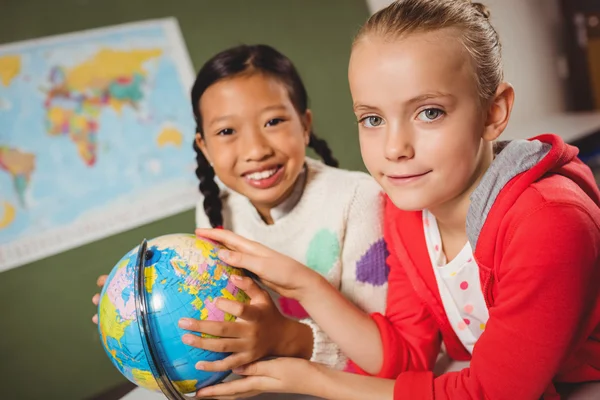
column 143, row 311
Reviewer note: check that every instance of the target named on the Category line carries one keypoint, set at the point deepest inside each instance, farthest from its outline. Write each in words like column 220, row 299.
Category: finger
column 101, row 280
column 235, row 360
column 95, row 319
column 230, row 240
column 259, row 368
column 250, row 287
column 254, row 264
column 243, row 311
column 218, row 345
column 236, row 388
column 214, row 328
column 96, row 299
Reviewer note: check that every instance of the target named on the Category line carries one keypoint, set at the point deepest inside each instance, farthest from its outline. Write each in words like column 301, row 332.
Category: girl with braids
column 494, row 250
column 253, row 127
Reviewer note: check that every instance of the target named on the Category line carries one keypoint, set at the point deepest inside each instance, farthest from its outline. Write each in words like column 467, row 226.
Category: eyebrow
column 417, row 99
column 226, row 117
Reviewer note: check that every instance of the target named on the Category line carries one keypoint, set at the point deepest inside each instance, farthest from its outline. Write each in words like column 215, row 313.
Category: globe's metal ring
column 141, row 305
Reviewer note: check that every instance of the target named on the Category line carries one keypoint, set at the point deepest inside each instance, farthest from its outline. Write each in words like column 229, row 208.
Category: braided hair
column 235, row 61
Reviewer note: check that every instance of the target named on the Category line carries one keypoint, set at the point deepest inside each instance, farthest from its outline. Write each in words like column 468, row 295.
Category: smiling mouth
column 400, row 177
column 260, row 175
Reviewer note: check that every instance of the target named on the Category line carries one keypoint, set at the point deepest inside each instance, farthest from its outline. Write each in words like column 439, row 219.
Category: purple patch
column 372, row 268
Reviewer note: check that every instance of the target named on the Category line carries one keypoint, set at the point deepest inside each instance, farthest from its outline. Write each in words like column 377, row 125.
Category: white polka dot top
column 459, row 285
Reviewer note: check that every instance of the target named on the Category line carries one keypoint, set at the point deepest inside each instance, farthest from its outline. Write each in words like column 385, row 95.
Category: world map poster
column 96, row 136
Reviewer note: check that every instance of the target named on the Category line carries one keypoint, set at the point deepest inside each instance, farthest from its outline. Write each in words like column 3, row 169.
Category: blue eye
column 430, row 114
column 371, row 121
column 225, row 132
column 274, row 121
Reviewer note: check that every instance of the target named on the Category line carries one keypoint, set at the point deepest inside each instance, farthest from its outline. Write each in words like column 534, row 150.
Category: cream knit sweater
column 335, row 228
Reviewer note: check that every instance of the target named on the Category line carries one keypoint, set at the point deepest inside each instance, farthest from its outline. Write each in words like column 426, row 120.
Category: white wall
column 530, row 34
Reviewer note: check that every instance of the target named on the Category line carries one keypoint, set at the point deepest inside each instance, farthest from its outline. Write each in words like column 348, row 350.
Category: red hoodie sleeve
column 409, row 334
column 547, row 288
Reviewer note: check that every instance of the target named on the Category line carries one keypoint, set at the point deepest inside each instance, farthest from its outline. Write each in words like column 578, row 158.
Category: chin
column 407, row 202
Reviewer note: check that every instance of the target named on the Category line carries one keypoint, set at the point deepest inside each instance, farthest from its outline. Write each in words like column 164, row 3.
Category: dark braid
column 321, row 147
column 209, row 189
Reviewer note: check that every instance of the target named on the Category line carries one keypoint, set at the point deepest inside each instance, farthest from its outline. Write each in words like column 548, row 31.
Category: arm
column 547, row 287
column 407, row 336
column 363, row 266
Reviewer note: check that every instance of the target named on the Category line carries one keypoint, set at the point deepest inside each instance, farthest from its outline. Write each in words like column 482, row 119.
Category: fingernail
column 187, row 339
column 238, row 370
column 236, row 277
column 184, row 323
column 224, row 253
column 199, row 366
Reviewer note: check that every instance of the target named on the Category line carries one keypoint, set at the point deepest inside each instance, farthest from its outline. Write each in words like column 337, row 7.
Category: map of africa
column 95, row 136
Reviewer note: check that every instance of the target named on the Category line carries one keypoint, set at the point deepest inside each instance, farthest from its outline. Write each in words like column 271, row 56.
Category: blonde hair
column 477, row 34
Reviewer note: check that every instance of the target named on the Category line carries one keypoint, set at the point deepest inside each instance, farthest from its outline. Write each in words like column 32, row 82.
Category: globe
column 147, row 292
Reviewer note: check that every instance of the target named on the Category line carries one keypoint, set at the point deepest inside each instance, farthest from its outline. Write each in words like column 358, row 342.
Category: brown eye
column 274, row 121
column 225, row 132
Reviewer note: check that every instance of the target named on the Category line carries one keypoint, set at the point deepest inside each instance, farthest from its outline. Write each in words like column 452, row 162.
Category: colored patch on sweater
column 371, row 267
column 323, row 251
column 292, row 308
column 350, row 367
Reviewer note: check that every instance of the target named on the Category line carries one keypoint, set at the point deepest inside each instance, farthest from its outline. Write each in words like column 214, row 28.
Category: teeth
column 257, row 176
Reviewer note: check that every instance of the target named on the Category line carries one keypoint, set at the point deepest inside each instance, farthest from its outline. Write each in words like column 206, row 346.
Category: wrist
column 296, row 340
column 313, row 285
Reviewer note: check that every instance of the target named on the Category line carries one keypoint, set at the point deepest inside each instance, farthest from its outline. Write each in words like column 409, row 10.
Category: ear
column 202, row 146
column 499, row 111
column 307, row 123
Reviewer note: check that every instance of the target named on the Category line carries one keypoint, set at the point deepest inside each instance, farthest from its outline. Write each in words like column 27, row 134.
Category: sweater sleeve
column 364, row 271
column 547, row 289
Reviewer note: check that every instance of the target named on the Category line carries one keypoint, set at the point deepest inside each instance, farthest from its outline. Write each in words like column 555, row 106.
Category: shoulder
column 557, row 198
column 552, row 224
column 341, row 183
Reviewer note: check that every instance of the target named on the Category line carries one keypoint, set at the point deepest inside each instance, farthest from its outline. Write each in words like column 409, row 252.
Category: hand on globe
column 260, row 330
column 96, row 299
column 283, row 274
column 273, row 376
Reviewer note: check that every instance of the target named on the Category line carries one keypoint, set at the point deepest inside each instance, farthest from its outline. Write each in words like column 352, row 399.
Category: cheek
column 369, row 150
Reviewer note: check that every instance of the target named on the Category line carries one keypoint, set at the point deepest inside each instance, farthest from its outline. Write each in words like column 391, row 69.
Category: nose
column 255, row 145
column 398, row 144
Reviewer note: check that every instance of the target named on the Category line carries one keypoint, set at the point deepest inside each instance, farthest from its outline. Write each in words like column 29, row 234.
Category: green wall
column 49, row 347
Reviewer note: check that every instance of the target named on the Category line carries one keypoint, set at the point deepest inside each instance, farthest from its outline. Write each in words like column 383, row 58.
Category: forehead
column 250, row 90
column 411, row 66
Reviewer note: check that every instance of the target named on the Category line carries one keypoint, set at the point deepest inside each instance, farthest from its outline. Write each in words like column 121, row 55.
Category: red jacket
column 539, row 257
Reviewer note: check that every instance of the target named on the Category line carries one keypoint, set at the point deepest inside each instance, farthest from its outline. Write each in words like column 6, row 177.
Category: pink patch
column 464, row 285
column 426, row 222
column 470, row 260
column 467, row 321
column 292, row 308
column 437, row 248
column 350, row 367
column 468, row 308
